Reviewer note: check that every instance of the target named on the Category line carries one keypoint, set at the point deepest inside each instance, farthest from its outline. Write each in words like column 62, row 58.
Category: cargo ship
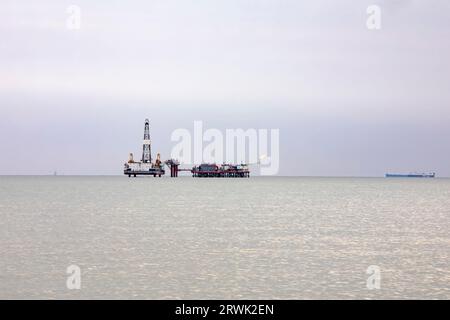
column 411, row 175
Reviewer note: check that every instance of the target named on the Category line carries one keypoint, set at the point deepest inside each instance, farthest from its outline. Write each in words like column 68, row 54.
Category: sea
column 114, row 237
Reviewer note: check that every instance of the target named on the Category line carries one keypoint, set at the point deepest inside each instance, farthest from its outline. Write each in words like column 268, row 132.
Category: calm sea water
column 258, row 238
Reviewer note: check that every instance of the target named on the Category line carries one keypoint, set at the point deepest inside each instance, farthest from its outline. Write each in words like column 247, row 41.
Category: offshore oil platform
column 146, row 167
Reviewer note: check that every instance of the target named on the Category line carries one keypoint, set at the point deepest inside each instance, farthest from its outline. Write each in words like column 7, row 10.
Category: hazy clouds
column 347, row 100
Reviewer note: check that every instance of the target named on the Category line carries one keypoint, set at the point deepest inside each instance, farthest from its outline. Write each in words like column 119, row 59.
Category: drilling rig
column 145, row 166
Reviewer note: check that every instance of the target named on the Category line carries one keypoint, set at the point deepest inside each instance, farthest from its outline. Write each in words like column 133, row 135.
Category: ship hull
column 393, row 175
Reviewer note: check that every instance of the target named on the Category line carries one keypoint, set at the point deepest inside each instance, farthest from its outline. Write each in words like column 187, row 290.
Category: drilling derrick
column 146, row 148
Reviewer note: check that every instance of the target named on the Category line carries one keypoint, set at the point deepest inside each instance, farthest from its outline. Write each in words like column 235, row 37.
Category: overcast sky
column 348, row 101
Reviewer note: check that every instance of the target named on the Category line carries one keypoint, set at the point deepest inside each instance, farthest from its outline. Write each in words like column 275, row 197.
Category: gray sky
column 347, row 100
